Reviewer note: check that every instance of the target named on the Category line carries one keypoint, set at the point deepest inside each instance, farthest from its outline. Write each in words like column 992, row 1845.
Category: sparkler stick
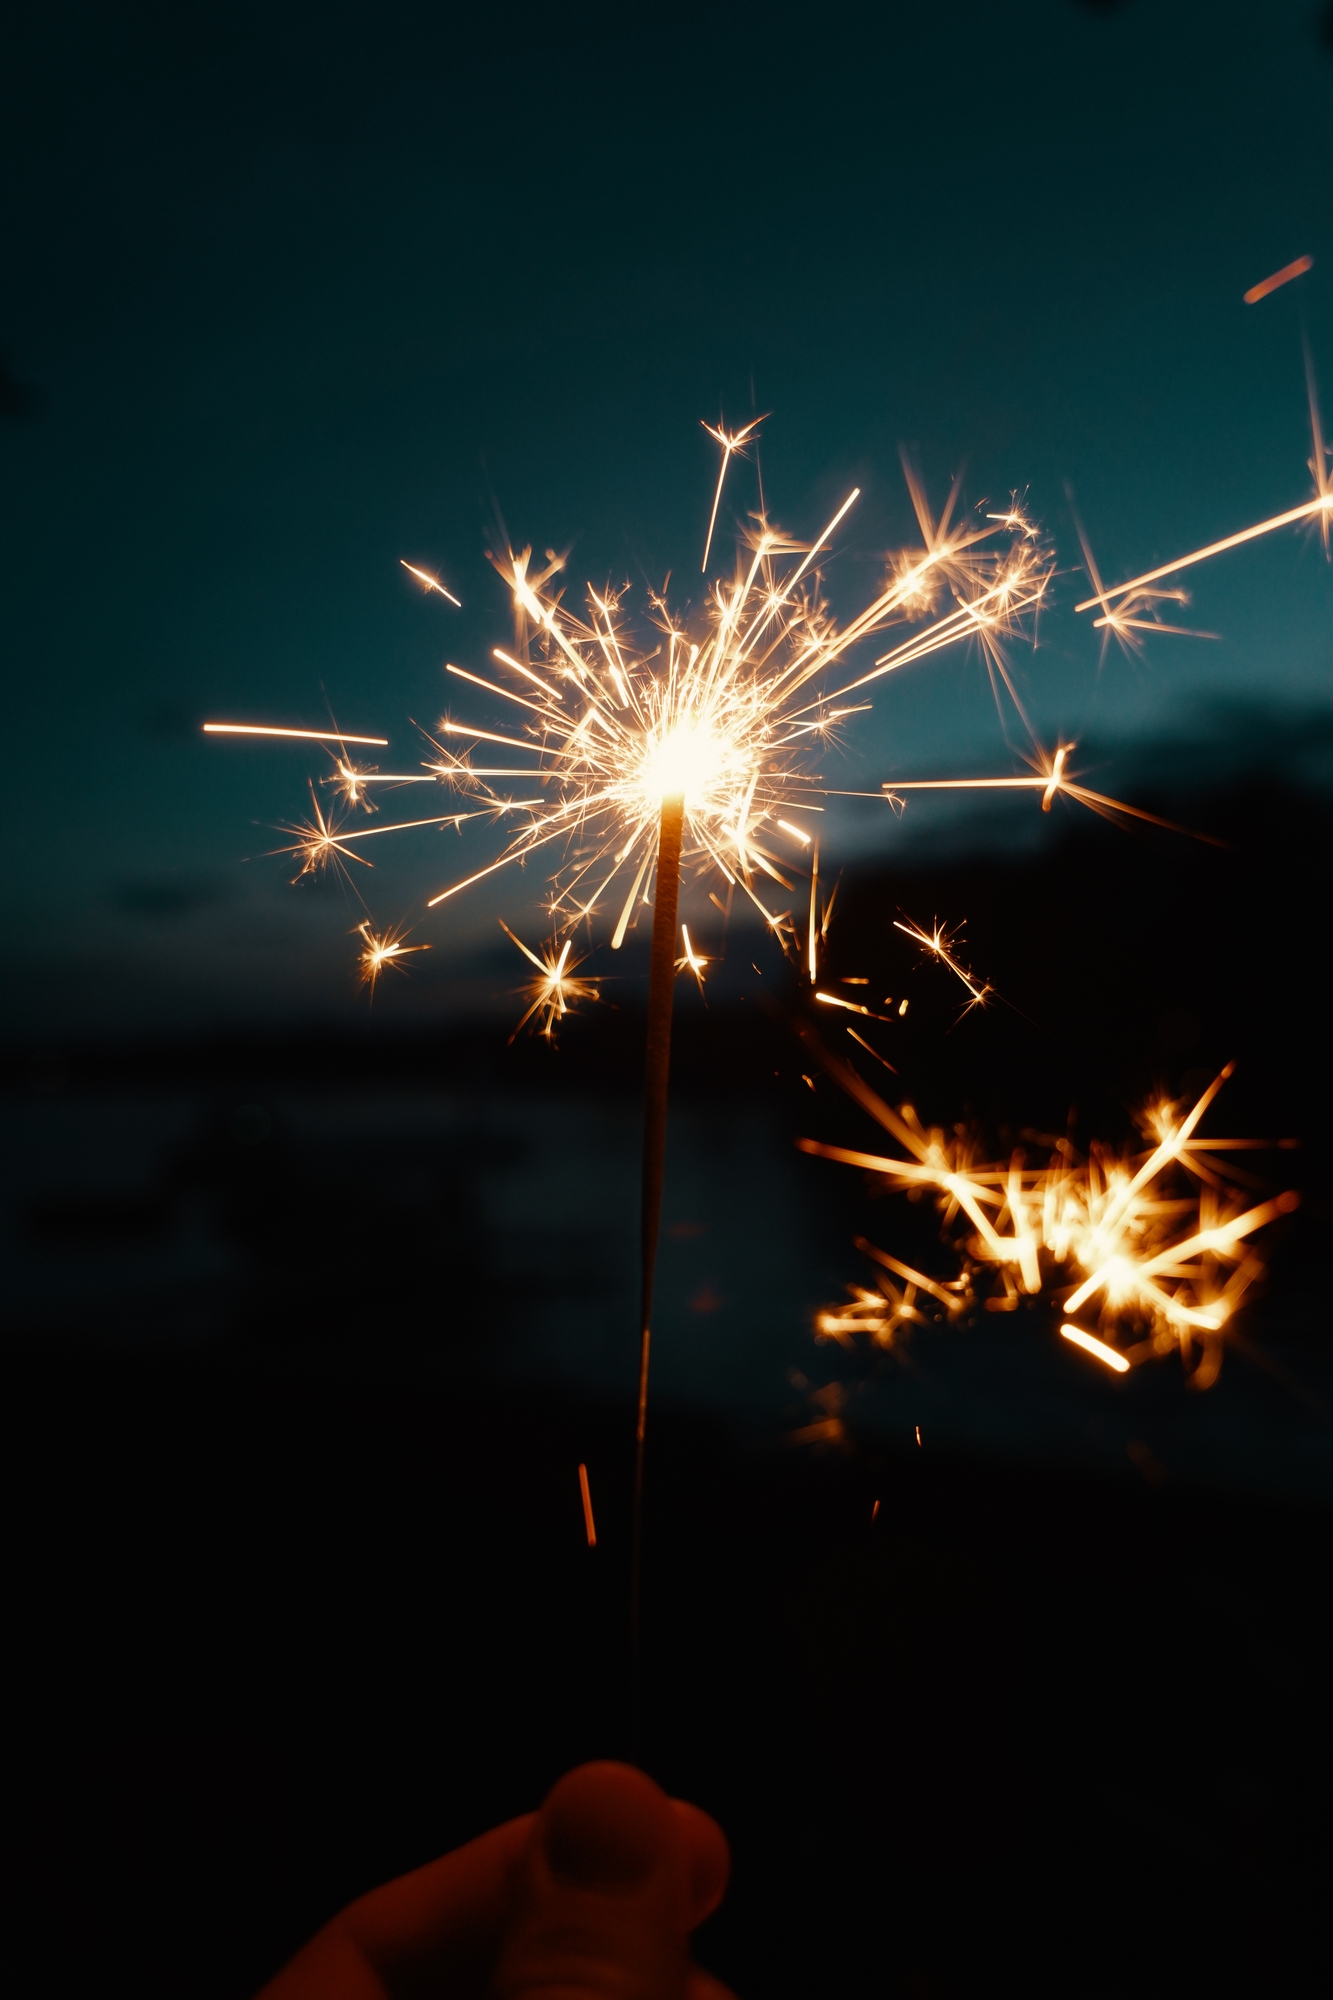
column 656, row 1069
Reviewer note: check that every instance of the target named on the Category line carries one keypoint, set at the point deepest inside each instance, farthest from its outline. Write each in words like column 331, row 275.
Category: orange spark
column 589, row 1525
column 1296, row 269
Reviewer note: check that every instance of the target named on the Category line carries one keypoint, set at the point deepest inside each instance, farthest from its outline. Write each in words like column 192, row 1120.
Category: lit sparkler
column 687, row 746
column 1157, row 1245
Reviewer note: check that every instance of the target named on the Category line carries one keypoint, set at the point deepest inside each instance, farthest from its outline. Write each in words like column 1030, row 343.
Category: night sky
column 293, row 292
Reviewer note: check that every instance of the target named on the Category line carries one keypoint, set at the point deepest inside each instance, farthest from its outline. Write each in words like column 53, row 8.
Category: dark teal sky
column 297, row 291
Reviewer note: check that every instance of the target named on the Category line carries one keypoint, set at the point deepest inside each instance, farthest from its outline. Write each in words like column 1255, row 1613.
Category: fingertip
column 701, row 1985
column 605, row 1826
column 709, row 1858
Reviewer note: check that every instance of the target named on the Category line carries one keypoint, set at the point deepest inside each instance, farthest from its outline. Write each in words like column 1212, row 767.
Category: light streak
column 305, row 735
column 1320, row 507
column 852, row 1006
column 730, row 443
column 1162, row 1239
column 1112, row 1356
column 939, row 943
column 589, row 1525
column 692, row 960
column 423, row 576
column 1321, row 504
column 1296, row 269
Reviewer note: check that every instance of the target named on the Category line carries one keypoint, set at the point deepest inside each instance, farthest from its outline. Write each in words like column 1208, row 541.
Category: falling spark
column 1296, row 269
column 306, row 735
column 874, row 1510
column 589, row 1525
column 423, row 576
column 1161, row 1239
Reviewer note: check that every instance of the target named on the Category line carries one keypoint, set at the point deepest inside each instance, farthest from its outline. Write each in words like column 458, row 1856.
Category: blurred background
column 313, row 1305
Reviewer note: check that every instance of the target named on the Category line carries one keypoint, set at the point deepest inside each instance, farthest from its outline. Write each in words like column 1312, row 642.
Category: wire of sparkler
column 657, row 1065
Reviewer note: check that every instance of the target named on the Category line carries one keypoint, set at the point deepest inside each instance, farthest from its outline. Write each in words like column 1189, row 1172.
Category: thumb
column 614, row 1878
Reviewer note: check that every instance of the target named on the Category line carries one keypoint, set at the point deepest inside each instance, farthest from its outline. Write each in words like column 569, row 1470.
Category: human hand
column 592, row 1898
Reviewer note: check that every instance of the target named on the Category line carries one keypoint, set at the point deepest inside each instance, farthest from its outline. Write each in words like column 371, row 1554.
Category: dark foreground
column 276, row 1636
column 297, row 1587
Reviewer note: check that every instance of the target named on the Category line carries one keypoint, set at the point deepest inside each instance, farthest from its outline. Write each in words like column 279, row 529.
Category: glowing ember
column 589, row 1525
column 1296, row 269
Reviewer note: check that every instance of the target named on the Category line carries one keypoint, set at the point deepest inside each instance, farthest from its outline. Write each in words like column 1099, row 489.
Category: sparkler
column 687, row 748
column 1158, row 1243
